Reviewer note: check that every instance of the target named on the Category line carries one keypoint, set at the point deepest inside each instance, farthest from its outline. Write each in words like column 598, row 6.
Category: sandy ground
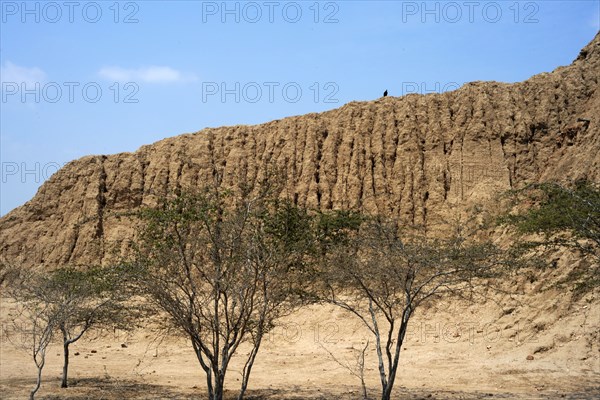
column 454, row 351
column 461, row 352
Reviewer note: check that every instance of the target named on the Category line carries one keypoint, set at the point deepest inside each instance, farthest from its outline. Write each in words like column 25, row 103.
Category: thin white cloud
column 152, row 74
column 10, row 72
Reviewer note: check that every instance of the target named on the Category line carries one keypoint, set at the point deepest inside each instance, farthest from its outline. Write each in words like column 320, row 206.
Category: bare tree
column 67, row 300
column 224, row 268
column 382, row 275
column 91, row 298
column 33, row 322
column 33, row 329
column 355, row 367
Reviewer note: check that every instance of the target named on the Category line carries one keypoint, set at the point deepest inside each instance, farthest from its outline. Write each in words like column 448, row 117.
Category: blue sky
column 104, row 77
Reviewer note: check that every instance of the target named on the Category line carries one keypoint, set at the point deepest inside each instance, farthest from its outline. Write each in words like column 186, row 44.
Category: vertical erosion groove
column 101, row 198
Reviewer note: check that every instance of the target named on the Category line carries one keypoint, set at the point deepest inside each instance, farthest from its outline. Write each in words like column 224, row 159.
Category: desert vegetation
column 384, row 273
column 67, row 302
column 222, row 267
column 566, row 216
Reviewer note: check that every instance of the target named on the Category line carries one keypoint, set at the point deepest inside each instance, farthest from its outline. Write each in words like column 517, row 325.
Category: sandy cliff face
column 413, row 157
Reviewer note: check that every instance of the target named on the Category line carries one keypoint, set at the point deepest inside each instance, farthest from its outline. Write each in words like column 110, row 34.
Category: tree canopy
column 564, row 215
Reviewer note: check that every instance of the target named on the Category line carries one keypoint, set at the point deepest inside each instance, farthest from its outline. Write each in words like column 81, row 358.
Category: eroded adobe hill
column 413, row 157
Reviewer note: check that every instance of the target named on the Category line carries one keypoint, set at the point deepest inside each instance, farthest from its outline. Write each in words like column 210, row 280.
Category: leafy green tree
column 68, row 300
column 224, row 268
column 564, row 216
column 382, row 275
column 92, row 298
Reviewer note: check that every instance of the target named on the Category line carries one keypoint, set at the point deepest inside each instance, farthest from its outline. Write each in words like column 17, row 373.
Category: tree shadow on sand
column 113, row 389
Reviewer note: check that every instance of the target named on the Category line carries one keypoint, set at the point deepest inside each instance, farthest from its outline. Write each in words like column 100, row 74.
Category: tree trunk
column 362, row 371
column 210, row 386
column 387, row 392
column 38, row 383
column 248, row 367
column 382, row 374
column 206, row 367
column 218, row 388
column 65, row 373
column 66, row 343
